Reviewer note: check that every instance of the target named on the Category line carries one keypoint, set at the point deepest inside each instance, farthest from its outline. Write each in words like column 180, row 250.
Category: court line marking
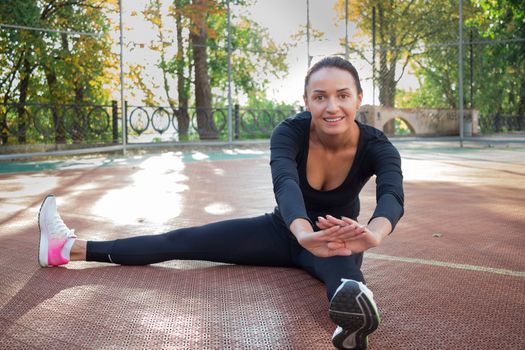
column 446, row 264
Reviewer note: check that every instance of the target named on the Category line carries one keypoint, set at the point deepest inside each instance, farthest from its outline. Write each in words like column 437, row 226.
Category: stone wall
column 421, row 121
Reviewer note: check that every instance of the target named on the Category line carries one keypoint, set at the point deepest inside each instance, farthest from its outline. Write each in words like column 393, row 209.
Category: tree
column 54, row 67
column 201, row 36
column 400, row 27
column 493, row 61
column 18, row 54
column 178, row 64
column 501, row 87
column 199, row 45
column 172, row 68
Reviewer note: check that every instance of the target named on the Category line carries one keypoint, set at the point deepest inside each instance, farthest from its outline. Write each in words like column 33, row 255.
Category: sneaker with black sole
column 354, row 311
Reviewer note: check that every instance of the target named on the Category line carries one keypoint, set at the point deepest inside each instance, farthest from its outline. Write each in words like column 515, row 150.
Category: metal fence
column 161, row 123
column 501, row 123
column 35, row 123
column 90, row 125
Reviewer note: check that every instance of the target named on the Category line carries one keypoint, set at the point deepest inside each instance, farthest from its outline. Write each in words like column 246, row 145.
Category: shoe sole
column 353, row 311
column 43, row 243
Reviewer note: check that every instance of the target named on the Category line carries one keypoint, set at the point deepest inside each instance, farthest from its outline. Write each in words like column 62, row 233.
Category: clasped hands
column 338, row 237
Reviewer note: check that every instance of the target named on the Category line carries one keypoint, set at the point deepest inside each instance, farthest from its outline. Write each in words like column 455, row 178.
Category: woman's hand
column 320, row 242
column 359, row 237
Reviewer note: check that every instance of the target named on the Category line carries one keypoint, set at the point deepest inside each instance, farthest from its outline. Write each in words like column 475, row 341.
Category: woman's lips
column 333, row 120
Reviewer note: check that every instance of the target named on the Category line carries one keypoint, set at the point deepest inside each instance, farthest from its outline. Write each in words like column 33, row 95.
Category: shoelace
column 60, row 230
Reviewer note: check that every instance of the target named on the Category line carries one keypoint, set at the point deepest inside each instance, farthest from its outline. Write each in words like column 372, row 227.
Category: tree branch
column 404, row 67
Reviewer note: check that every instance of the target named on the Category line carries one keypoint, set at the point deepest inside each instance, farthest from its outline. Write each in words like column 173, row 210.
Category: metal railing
column 502, row 123
column 35, row 129
column 45, row 123
column 201, row 123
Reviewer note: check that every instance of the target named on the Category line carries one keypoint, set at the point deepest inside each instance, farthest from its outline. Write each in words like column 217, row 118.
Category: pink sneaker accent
column 55, row 237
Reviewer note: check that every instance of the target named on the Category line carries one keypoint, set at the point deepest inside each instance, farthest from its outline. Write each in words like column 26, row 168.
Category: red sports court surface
column 452, row 275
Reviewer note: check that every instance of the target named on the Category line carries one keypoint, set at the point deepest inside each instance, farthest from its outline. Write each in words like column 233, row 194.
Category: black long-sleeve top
column 295, row 198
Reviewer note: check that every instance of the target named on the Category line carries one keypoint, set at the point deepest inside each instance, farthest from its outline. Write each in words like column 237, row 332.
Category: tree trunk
column 521, row 103
column 78, row 126
column 58, row 120
column 387, row 66
column 203, row 99
column 183, row 118
column 22, row 113
column 8, row 82
column 4, row 136
column 387, row 85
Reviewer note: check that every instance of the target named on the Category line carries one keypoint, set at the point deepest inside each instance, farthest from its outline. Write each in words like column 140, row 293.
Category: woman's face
column 333, row 100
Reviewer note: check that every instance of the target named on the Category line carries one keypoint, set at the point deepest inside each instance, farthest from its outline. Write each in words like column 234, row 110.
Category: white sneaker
column 354, row 311
column 56, row 239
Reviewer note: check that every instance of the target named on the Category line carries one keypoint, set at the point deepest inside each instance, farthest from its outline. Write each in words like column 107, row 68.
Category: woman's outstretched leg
column 252, row 241
column 78, row 250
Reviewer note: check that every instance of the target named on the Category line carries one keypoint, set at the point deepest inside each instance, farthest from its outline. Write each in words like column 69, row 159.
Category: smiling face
column 333, row 100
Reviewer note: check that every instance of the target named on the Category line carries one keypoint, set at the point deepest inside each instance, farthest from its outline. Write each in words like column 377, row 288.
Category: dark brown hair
column 333, row 62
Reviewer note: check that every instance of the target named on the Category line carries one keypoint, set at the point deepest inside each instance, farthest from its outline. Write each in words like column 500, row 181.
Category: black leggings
column 262, row 241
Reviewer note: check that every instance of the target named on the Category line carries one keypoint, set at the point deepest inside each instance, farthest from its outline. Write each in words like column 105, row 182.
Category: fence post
column 237, row 121
column 125, row 119
column 497, row 122
column 114, row 115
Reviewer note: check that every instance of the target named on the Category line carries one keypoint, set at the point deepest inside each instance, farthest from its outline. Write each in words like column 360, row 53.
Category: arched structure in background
column 399, row 127
column 420, row 121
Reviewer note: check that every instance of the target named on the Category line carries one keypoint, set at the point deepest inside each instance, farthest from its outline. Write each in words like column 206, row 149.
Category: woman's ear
column 359, row 100
column 305, row 99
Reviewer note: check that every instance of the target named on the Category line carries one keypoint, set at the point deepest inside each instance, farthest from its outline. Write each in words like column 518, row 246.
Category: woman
column 320, row 161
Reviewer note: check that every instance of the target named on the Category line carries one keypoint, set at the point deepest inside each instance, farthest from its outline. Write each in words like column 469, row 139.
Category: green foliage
column 255, row 57
column 401, row 127
column 400, row 27
column 502, row 67
column 259, row 100
column 253, row 51
column 493, row 71
column 437, row 73
column 54, row 68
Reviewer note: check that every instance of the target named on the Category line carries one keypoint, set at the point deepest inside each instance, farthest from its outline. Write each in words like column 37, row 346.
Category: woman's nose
column 332, row 105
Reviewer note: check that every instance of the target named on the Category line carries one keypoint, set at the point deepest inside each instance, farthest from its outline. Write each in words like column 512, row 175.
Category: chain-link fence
column 202, row 70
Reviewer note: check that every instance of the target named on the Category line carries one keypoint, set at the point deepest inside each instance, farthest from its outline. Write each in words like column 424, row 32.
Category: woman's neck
column 338, row 142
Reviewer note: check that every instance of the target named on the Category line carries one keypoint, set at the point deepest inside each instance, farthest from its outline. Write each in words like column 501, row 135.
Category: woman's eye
column 343, row 97
column 319, row 98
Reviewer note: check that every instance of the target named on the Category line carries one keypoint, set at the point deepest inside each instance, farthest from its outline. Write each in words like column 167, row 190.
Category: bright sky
column 282, row 18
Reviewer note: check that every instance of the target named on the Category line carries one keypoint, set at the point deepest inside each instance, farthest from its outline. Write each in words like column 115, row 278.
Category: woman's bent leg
column 352, row 306
column 331, row 270
column 253, row 241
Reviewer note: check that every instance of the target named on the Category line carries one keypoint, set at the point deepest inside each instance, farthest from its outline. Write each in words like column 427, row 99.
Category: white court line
column 446, row 264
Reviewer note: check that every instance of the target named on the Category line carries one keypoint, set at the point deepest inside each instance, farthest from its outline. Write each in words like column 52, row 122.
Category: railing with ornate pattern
column 67, row 124
column 497, row 123
column 161, row 123
column 34, row 123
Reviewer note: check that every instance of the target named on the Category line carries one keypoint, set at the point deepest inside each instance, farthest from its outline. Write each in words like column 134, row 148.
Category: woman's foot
column 354, row 311
column 56, row 239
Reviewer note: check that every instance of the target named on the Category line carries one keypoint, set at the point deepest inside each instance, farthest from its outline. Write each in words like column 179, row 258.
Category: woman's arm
column 285, row 146
column 386, row 165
